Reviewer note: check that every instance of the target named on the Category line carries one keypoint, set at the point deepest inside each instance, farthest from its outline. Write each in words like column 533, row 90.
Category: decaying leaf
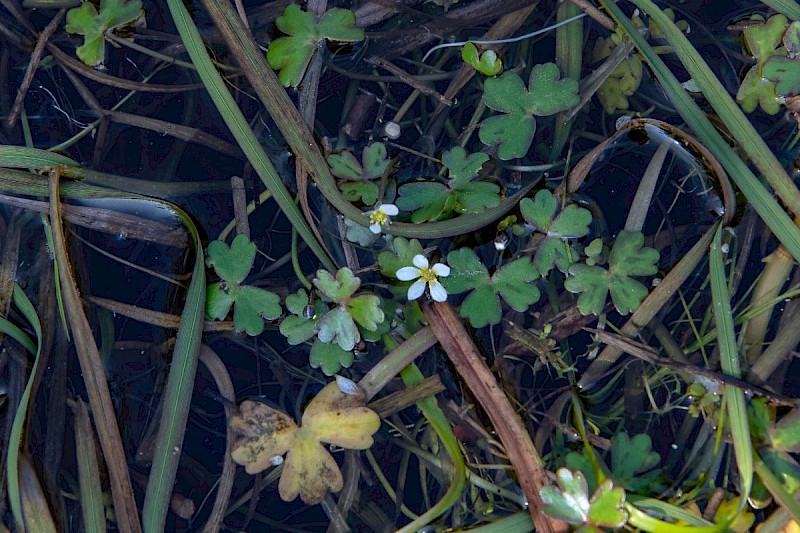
column 309, row 471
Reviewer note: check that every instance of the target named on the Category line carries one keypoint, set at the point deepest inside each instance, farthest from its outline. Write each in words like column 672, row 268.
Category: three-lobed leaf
column 291, row 54
column 356, row 184
column 337, row 289
column 252, row 305
column 86, row 20
column 512, row 282
column 628, row 258
column 329, row 357
column 546, row 94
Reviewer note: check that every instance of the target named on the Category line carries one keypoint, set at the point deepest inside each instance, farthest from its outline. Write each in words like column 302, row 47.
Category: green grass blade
column 22, row 157
column 728, row 110
column 91, row 489
column 25, row 306
column 240, row 129
column 729, row 360
column 761, row 199
column 18, row 335
column 178, row 393
column 790, row 8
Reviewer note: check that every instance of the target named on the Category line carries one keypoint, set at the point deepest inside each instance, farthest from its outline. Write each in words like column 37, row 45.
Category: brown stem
column 469, row 363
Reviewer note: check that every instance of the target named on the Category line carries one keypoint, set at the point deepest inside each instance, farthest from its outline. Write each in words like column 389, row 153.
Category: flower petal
column 375, row 228
column 416, row 290
column 438, row 292
column 389, row 209
column 407, row 273
column 420, row 261
column 441, row 270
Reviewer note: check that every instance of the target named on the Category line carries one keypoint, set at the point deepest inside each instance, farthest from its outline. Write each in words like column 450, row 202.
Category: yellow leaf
column 309, row 470
column 267, row 433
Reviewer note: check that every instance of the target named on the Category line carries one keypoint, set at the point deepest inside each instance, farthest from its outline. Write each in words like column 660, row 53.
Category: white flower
column 424, row 274
column 380, row 216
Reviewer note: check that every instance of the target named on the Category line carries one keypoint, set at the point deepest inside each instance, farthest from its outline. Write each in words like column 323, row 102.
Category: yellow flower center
column 378, row 217
column 428, row 275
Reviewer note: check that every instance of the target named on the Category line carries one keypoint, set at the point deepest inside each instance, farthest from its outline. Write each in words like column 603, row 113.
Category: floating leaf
column 633, row 461
column 569, row 501
column 627, row 258
column 232, row 263
column 571, row 223
column 297, row 328
column 357, row 185
column 785, row 73
column 337, row 326
column 329, row 357
column 309, row 471
column 252, row 305
column 292, row 54
column 547, row 94
column 606, row 506
column 87, row 21
column 756, row 89
column 482, row 306
column 338, row 289
column 433, row 201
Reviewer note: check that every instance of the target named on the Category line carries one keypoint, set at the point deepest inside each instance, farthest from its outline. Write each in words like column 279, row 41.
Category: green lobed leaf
column 785, row 73
column 291, row 54
column 338, row 289
column 233, row 263
column 218, row 301
column 477, row 196
column 375, row 160
column 631, row 458
column 570, row 500
column 366, row 193
column 359, row 234
column 344, row 165
column 607, row 503
column 298, row 329
column 366, row 311
column 513, row 283
column 547, row 94
column 756, row 90
column 791, row 40
column 627, row 258
column 252, row 306
column 296, row 302
column 337, row 326
column 419, row 194
column 462, row 167
column 330, row 358
column 572, row 222
column 540, row 211
column 762, row 39
column 482, row 306
column 87, row 21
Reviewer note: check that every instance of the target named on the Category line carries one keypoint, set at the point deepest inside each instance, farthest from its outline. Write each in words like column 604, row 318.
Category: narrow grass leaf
column 25, row 306
column 776, row 488
column 729, row 360
column 91, row 490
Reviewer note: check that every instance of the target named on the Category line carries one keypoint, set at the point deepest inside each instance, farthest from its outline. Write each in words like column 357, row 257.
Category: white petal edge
column 438, row 292
column 441, row 270
column 407, row 273
column 416, row 290
column 420, row 261
column 389, row 209
column 375, row 228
